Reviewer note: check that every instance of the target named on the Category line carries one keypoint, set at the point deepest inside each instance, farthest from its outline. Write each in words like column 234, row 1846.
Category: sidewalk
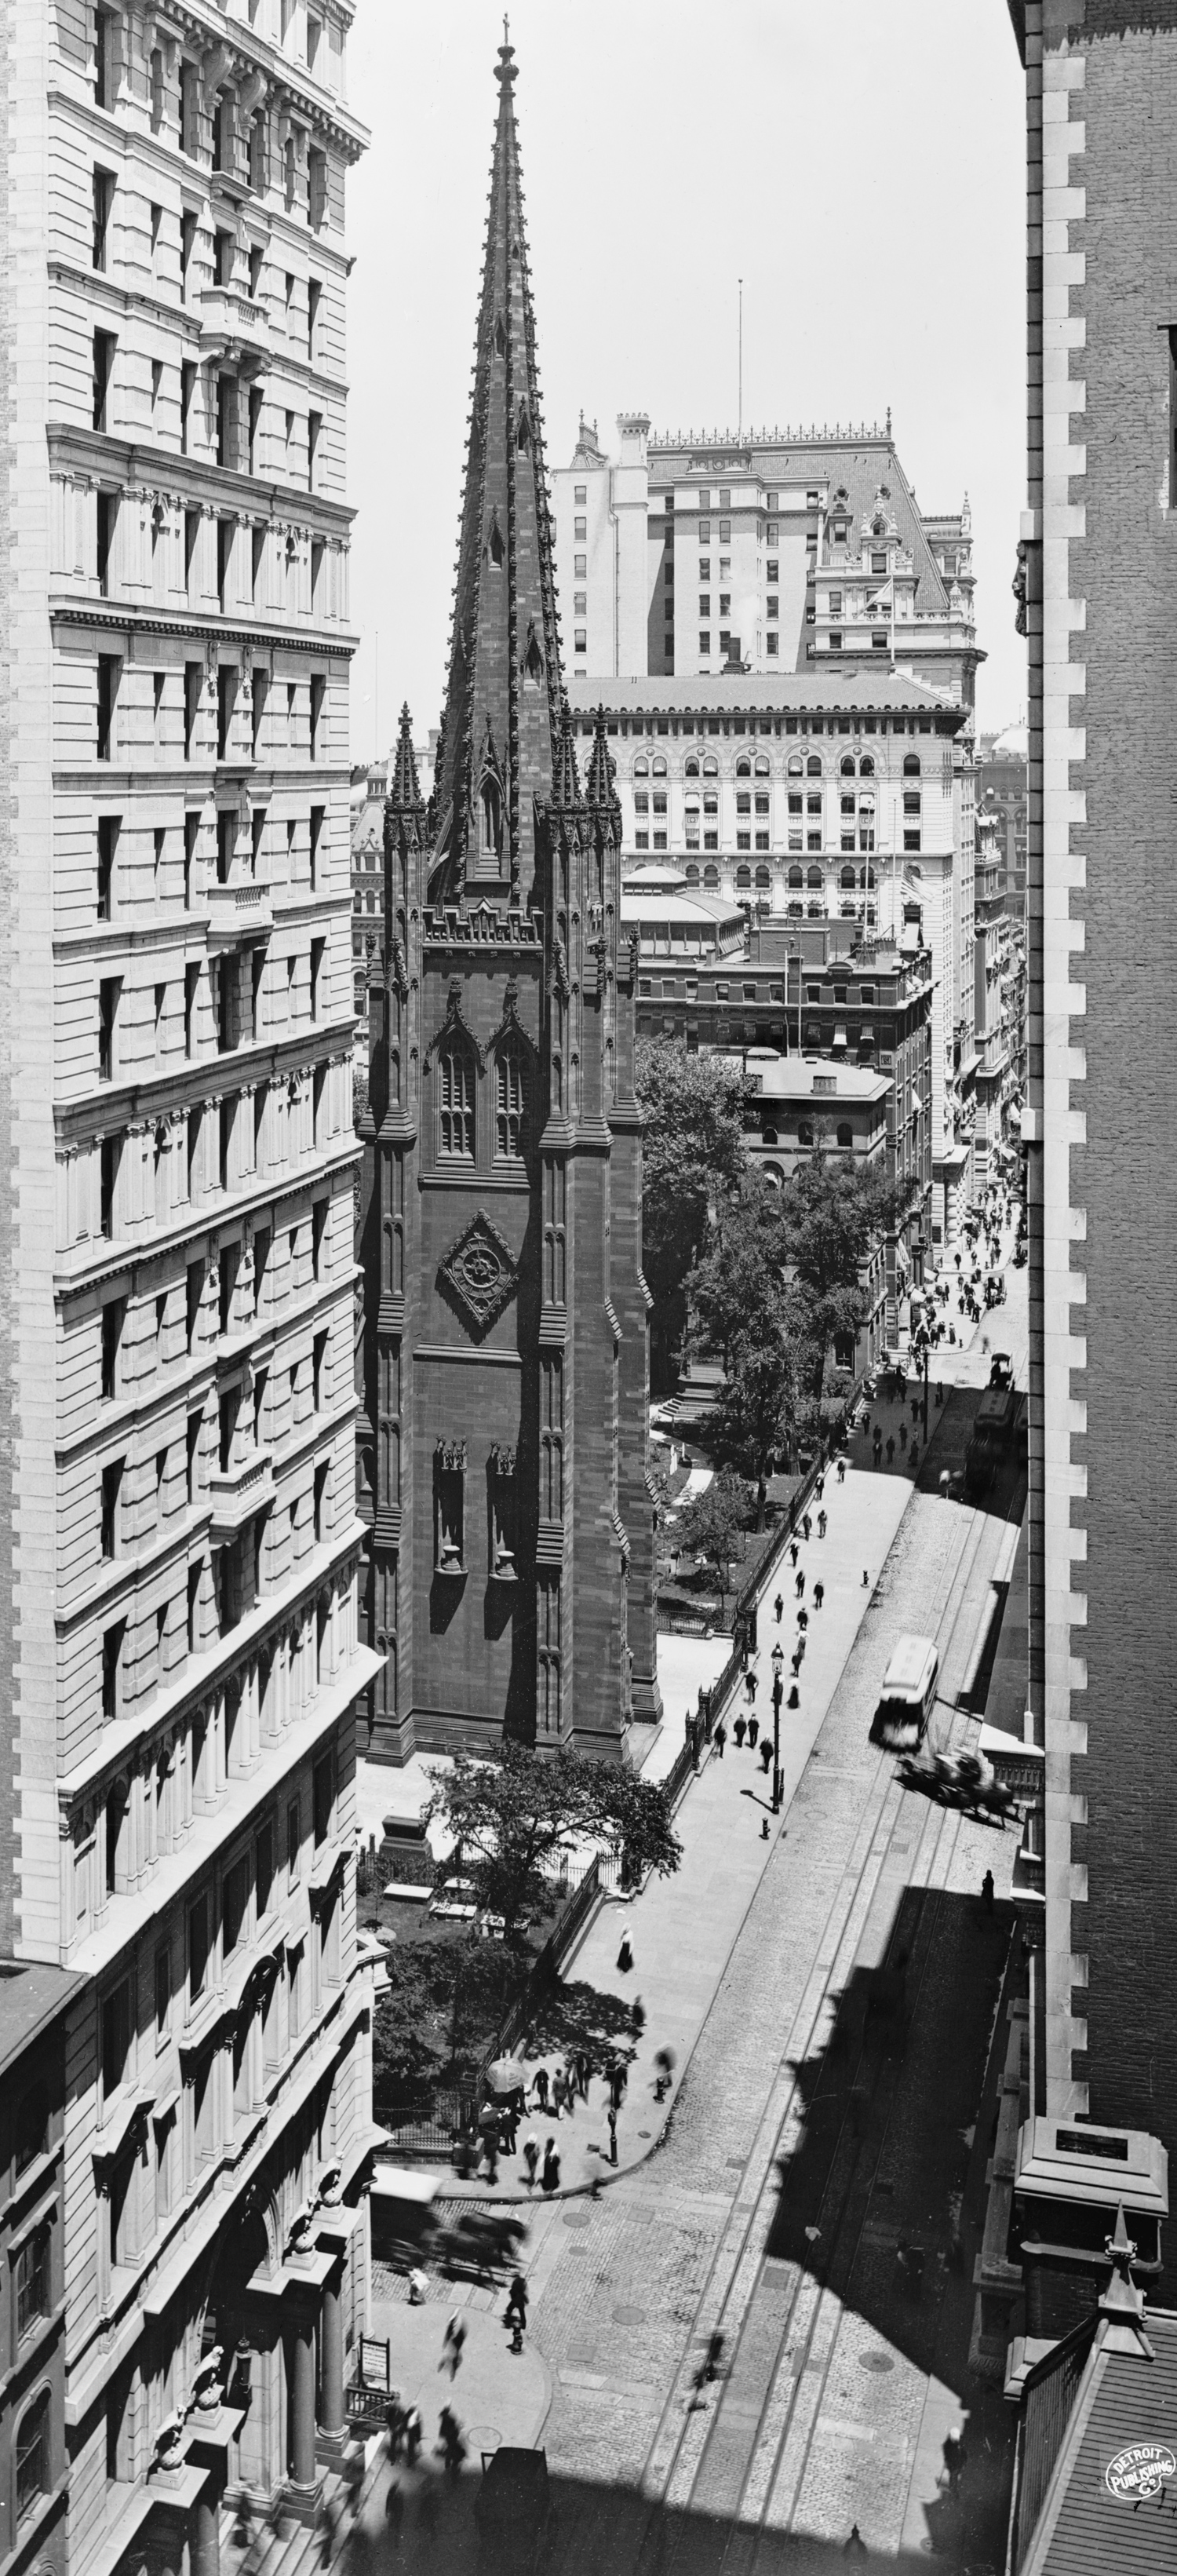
column 500, row 2398
column 683, row 1928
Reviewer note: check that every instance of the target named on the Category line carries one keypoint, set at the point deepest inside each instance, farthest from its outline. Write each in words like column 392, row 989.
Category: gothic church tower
column 504, row 1370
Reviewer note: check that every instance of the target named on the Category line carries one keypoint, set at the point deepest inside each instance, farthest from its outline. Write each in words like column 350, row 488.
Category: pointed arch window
column 511, row 1101
column 490, row 821
column 455, row 1101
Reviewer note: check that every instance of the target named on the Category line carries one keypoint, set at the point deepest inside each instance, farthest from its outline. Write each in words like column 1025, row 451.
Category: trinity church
column 503, row 1429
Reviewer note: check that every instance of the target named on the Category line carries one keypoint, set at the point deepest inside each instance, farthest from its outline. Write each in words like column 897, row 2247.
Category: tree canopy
column 693, row 1156
column 713, row 1524
column 512, row 1815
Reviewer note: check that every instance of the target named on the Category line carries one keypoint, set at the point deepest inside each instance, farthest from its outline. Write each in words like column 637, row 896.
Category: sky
column 860, row 163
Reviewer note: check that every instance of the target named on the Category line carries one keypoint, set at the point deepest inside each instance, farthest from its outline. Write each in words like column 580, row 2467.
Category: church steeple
column 500, row 727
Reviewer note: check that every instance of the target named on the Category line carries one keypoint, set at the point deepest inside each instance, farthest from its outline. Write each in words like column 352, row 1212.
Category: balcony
column 236, row 1493
column 239, row 911
column 234, row 329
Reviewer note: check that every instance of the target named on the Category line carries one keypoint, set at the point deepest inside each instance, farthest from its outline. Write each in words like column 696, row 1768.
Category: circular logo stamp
column 1141, row 2469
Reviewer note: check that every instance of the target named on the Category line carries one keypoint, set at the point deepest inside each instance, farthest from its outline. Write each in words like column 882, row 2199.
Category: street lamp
column 778, row 1665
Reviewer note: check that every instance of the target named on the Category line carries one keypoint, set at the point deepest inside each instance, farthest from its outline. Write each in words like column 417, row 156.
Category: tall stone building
column 180, row 1634
column 503, row 1444
column 1099, row 545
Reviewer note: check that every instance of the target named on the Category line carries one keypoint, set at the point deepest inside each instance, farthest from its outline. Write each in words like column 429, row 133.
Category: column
column 205, row 2535
column 331, row 2353
column 301, row 2449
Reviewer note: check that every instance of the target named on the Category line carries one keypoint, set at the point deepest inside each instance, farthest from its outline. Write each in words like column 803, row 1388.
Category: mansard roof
column 504, row 671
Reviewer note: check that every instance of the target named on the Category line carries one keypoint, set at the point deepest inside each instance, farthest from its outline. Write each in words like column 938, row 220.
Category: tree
column 833, row 1213
column 713, row 1524
column 693, row 1157
column 746, row 1307
column 512, row 1815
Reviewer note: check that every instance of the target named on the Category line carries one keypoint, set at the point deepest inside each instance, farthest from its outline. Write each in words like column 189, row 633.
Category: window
column 911, row 840
column 103, row 204
column 32, row 2435
column 316, row 188
column 580, row 639
column 911, row 764
column 704, row 603
column 234, row 1901
column 318, row 697
column 580, row 567
column 455, row 1082
column 32, row 2280
column 314, row 434
column 704, row 643
column 112, row 1479
column 511, row 1101
column 911, row 800
column 115, row 2037
column 580, row 530
column 197, row 1947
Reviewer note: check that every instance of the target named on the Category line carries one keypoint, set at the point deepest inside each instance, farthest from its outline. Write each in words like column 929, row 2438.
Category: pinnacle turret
column 500, row 726
column 599, row 788
column 404, row 790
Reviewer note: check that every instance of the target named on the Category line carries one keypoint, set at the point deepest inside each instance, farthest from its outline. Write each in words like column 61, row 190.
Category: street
column 811, row 2142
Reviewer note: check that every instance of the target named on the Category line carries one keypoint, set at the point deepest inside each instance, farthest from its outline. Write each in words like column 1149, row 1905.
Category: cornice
column 76, row 449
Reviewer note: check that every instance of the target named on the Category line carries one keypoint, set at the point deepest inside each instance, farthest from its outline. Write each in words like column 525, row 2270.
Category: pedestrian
column 617, row 2081
column 451, row 2447
column 739, row 1726
column 418, row 2287
column 841, row 1471
column 890, row 1450
column 665, row 2063
column 720, row 1738
column 531, row 2157
column 394, row 2420
column 611, row 2116
column 451, row 2345
column 806, row 1525
column 414, row 2433
column 856, row 2546
column 394, row 2515
column 803, row 1615
column 625, row 1953
column 541, row 2087
column 794, row 1551
column 956, row 1258
column 915, row 1456
column 944, row 1483
column 637, row 2016
column 558, row 2094
column 819, row 1594
column 517, row 2301
column 796, row 1661
column 902, row 1435
column 766, row 1754
column 509, row 2124
column 753, row 1731
column 878, row 1444
column 939, row 1393
column 955, row 2453
column 915, row 1408
column 778, row 1606
column 987, row 1891
column 551, row 2173
column 822, row 1524
column 491, row 2151
column 820, row 1487
column 799, row 1586
column 750, row 1685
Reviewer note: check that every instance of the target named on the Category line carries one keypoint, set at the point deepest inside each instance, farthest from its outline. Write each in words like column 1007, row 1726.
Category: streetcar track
column 669, row 2465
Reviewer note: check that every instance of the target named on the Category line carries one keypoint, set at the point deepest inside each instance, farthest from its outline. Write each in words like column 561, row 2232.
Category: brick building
column 821, row 799
column 503, row 1438
column 1099, row 543
column 180, row 1156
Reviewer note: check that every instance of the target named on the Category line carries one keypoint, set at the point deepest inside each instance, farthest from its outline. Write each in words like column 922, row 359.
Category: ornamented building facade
column 183, row 1646
column 503, row 1443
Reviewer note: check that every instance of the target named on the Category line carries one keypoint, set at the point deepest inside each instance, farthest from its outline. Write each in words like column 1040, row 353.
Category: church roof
column 870, row 692
column 501, row 717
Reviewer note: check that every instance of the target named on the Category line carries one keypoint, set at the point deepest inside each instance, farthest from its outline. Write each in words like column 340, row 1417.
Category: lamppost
column 778, row 1663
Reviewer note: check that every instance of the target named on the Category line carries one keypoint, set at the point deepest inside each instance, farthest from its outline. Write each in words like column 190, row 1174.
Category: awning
column 839, row 1036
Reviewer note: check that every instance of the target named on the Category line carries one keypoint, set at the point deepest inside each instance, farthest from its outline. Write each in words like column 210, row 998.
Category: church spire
column 500, row 727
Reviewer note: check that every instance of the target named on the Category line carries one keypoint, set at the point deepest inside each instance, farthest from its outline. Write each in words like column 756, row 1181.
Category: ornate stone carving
column 480, row 1274
column 502, row 1459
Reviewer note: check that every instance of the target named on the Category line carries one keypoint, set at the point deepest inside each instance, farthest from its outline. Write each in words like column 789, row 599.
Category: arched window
column 764, row 876
column 511, row 1101
column 711, row 766
column 743, row 768
column 814, row 877
column 845, row 1134
column 768, row 1135
column 762, row 767
column 641, row 768
column 361, row 995
column 711, row 880
column 691, row 769
column 795, row 764
column 796, row 877
column 847, row 766
column 911, row 764
column 455, row 1102
column 692, row 875
column 847, row 878
column 32, row 2456
column 866, row 766
column 490, row 817
column 805, row 1131
column 744, row 878
column 659, row 767
column 813, row 766
column 774, row 1176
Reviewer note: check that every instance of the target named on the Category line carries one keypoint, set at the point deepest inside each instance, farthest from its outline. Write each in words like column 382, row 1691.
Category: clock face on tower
column 479, row 1274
